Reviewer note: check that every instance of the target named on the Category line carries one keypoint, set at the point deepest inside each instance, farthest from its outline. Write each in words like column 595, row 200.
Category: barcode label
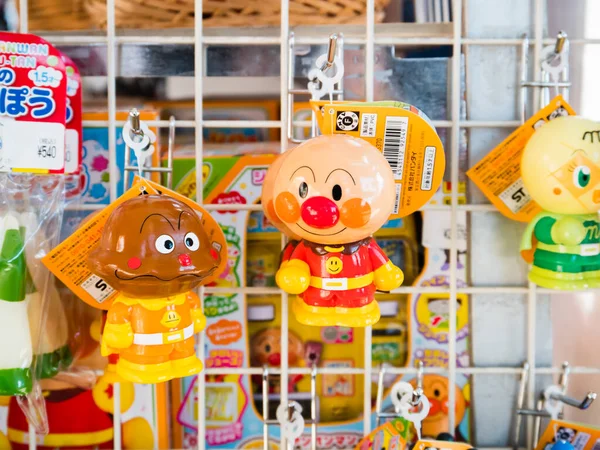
column 394, row 143
column 97, row 288
column 368, row 125
column 428, row 165
column 398, row 198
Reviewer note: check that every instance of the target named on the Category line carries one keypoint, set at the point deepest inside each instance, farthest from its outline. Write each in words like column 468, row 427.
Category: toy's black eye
column 436, row 393
column 336, row 192
column 303, row 190
column 191, row 241
column 268, row 348
column 164, row 244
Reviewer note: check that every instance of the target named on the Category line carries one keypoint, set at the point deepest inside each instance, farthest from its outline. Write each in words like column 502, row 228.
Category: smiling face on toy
column 561, row 166
column 154, row 246
column 334, row 190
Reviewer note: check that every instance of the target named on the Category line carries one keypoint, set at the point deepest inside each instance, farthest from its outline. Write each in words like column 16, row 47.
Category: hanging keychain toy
column 154, row 250
column 560, row 168
column 335, row 192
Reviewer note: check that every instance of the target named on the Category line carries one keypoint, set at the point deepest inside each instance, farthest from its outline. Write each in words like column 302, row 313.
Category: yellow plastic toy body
column 334, row 192
column 561, row 171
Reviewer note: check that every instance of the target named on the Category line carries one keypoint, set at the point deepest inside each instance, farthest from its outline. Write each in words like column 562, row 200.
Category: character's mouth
column 334, row 270
column 202, row 276
column 321, row 234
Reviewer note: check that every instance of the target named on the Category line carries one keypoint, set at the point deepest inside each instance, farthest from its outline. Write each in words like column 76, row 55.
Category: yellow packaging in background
column 403, row 134
column 498, row 174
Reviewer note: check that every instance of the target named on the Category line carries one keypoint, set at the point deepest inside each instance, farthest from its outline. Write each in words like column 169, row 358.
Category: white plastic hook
column 292, row 426
column 321, row 84
column 554, row 63
column 401, row 395
column 140, row 141
column 417, row 417
column 551, row 405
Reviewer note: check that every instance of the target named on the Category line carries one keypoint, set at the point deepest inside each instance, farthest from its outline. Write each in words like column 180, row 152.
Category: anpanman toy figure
column 334, row 192
column 561, row 171
column 154, row 250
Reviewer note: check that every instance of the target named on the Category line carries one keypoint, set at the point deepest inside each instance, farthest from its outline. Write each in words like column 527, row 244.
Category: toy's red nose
column 320, row 212
column 185, row 260
column 274, row 359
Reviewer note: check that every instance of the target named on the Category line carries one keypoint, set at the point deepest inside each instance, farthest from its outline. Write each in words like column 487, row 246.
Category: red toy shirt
column 74, row 421
column 340, row 275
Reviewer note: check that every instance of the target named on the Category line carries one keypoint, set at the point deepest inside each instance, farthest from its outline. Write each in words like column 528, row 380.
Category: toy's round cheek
column 214, row 254
column 287, row 207
column 134, row 263
column 271, row 210
column 355, row 213
column 557, row 191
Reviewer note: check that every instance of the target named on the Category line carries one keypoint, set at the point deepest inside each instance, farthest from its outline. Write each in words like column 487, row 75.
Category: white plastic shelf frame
column 488, row 33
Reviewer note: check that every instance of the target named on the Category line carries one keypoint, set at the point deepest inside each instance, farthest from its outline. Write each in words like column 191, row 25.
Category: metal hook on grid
column 553, row 67
column 138, row 137
column 325, row 63
column 289, row 417
column 550, row 403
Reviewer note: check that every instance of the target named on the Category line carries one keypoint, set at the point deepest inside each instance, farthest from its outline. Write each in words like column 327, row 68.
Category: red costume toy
column 334, row 192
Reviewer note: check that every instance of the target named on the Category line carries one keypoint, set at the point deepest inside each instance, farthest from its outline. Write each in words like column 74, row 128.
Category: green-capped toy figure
column 561, row 171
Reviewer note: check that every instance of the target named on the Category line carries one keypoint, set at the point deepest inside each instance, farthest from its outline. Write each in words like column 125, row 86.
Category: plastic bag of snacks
column 31, row 209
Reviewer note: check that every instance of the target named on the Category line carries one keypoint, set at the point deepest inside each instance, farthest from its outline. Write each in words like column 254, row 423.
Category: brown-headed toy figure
column 154, row 250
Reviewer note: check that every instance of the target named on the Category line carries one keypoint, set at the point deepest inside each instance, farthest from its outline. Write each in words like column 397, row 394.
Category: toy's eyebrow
column 179, row 219
column 156, row 214
column 304, row 167
column 343, row 170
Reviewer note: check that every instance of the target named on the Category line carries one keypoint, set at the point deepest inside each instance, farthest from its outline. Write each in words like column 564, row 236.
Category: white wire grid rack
column 370, row 39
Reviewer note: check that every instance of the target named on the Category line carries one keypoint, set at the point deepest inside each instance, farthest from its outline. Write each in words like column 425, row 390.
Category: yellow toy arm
column 197, row 314
column 293, row 277
column 388, row 277
column 568, row 231
column 118, row 333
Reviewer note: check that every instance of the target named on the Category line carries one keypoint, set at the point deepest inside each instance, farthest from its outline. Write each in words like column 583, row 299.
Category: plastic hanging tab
column 292, row 423
column 321, row 83
column 139, row 138
column 417, row 417
column 551, row 405
column 555, row 58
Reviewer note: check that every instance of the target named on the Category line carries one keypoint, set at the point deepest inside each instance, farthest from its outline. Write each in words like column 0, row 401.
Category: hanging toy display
column 154, row 250
column 334, row 192
column 561, row 172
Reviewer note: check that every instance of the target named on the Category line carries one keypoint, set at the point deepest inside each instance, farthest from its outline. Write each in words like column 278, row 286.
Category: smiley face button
column 170, row 319
column 334, row 265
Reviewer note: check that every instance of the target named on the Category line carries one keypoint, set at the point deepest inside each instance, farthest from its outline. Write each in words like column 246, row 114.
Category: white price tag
column 32, row 145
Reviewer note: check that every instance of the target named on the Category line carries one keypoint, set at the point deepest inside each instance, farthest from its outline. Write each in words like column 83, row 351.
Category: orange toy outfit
column 341, row 276
column 73, row 422
column 154, row 331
